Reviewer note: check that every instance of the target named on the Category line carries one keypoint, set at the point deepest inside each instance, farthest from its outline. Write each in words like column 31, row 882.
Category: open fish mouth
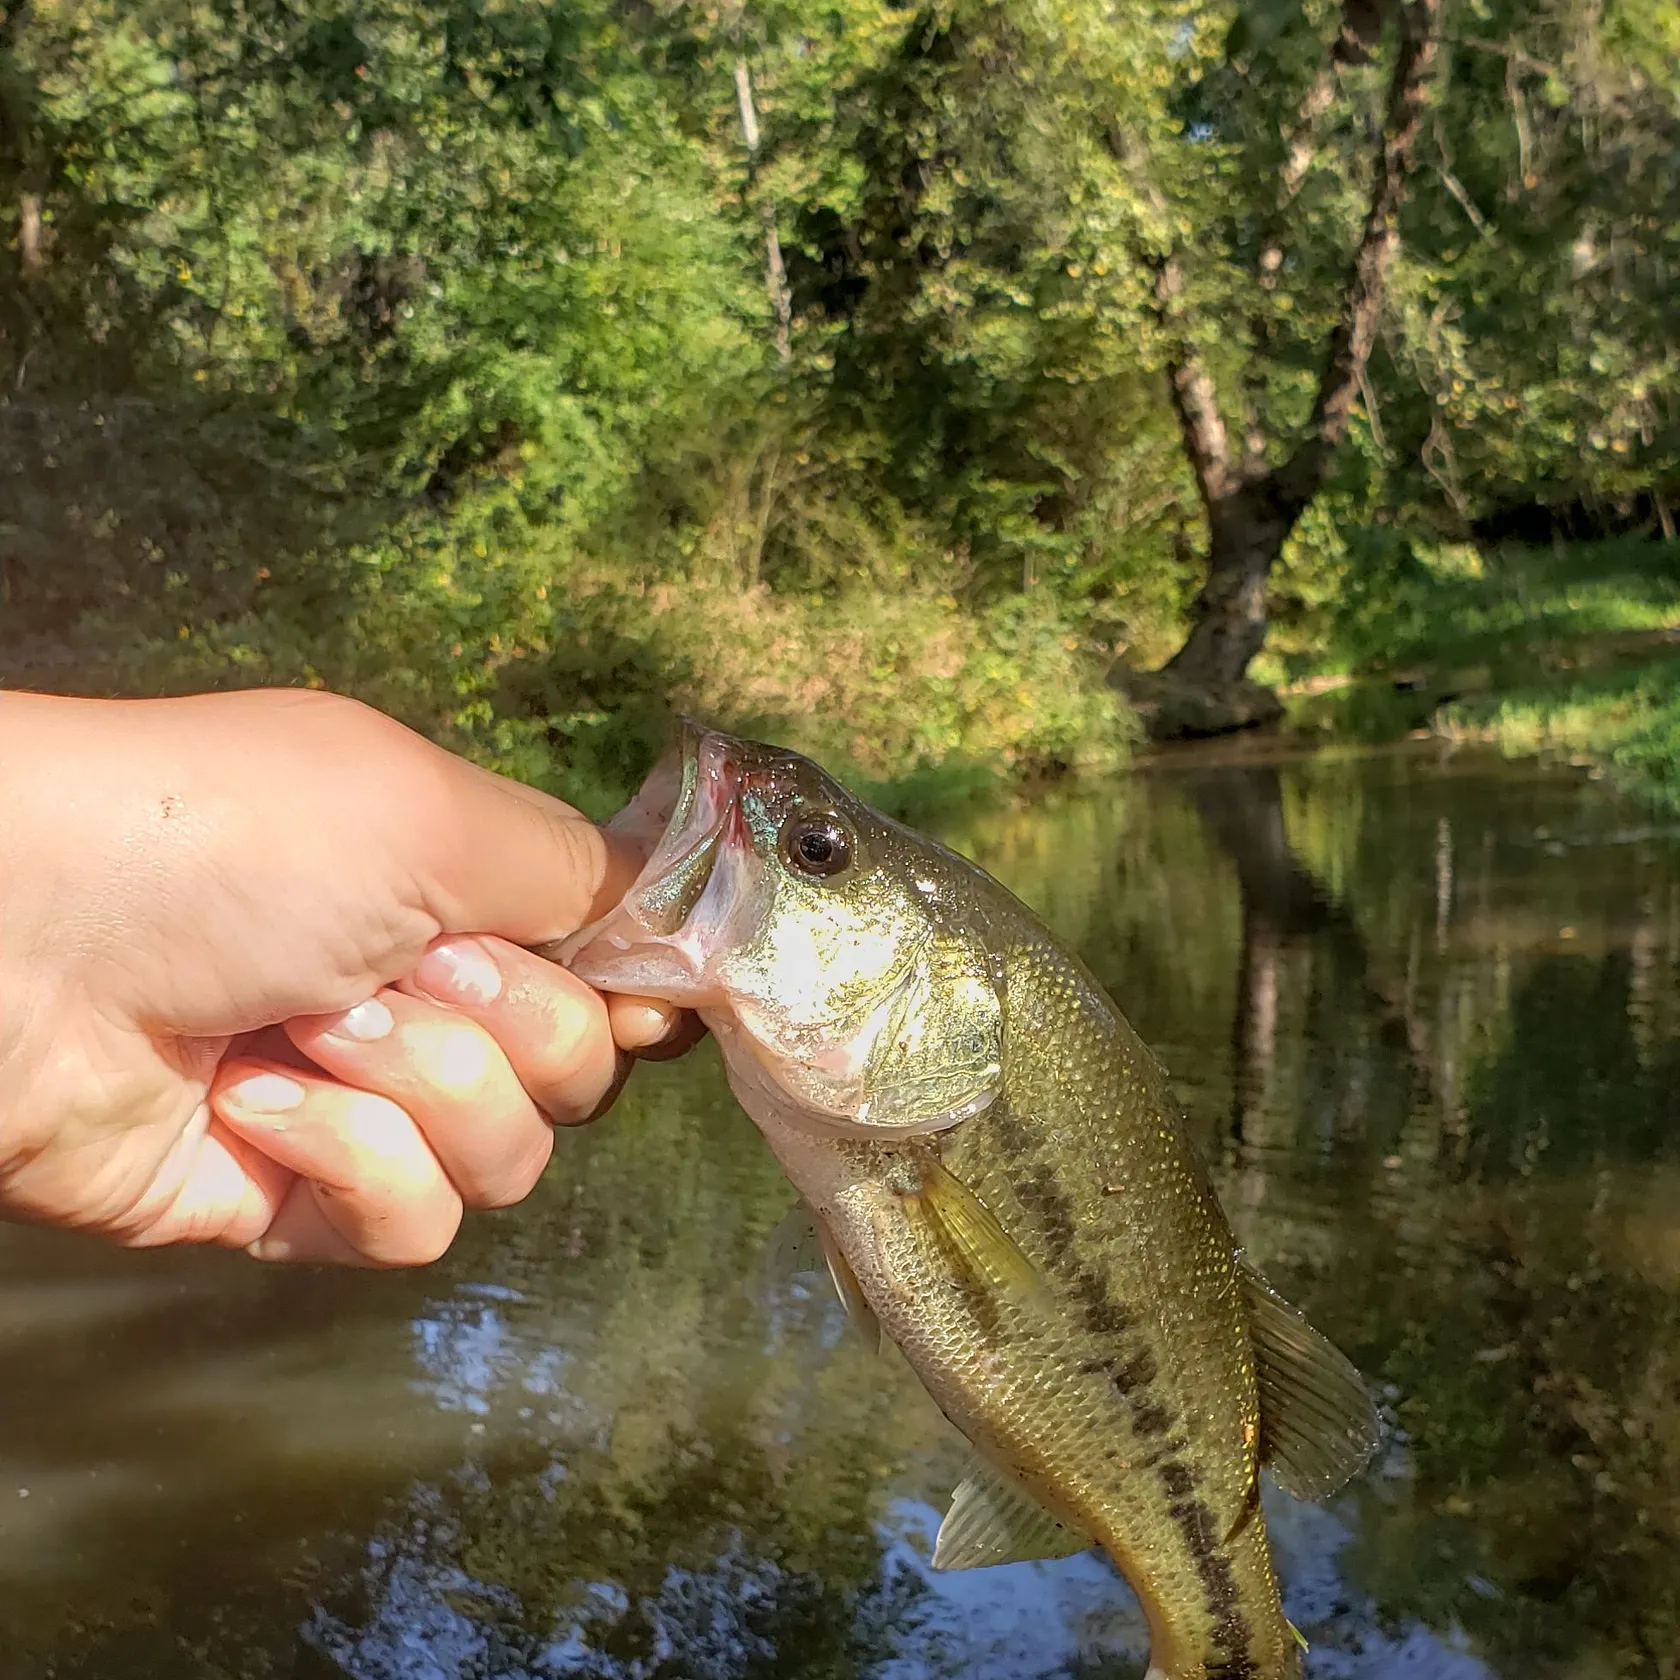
column 652, row 941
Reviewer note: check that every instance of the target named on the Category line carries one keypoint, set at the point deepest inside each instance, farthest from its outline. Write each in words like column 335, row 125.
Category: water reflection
column 1425, row 1015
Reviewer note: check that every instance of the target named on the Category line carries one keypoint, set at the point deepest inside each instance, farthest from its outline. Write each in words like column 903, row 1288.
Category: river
column 1423, row 1009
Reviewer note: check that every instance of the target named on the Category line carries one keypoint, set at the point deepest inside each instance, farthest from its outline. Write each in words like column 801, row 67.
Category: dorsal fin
column 1318, row 1427
column 991, row 1521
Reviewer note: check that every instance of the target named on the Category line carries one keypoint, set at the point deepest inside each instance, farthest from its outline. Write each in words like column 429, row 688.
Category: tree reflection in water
column 1425, row 1018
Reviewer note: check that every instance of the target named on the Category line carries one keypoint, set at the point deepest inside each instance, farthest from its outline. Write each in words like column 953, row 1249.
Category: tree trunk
column 20, row 143
column 29, row 233
column 1285, row 909
column 1247, row 529
column 775, row 271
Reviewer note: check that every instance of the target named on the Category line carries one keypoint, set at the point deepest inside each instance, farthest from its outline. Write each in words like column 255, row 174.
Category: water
column 1424, row 1012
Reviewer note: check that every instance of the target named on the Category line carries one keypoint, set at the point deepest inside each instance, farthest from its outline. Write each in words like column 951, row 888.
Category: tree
column 1253, row 492
column 364, row 343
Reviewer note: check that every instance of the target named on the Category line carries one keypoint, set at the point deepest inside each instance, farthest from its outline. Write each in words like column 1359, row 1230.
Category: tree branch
column 1299, row 479
column 1362, row 24
column 1207, row 443
column 1466, row 203
column 1194, row 399
column 1357, row 35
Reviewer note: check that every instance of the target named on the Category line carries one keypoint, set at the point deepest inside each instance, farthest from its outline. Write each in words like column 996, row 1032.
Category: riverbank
column 1625, row 725
column 1570, row 652
column 907, row 695
column 570, row 677
column 567, row 675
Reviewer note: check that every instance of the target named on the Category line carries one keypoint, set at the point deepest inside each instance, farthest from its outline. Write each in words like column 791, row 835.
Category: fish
column 1002, row 1187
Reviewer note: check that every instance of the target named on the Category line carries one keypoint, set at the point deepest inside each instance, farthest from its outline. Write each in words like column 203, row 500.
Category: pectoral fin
column 794, row 1248
column 970, row 1234
column 991, row 1521
column 1318, row 1427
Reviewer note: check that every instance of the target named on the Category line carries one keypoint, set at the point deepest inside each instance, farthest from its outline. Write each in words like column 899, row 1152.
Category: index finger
column 552, row 1028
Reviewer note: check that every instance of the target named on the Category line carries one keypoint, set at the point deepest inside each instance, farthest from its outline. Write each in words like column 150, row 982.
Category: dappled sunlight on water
column 1424, row 1013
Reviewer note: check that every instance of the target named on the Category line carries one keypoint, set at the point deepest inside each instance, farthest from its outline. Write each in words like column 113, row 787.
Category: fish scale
column 1004, row 1187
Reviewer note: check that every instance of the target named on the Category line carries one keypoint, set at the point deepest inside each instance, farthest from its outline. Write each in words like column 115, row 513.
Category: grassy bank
column 1571, row 651
column 562, row 657
column 569, row 674
column 909, row 696
column 1625, row 722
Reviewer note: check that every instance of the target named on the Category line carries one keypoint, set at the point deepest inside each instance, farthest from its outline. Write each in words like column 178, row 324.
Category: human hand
column 262, row 977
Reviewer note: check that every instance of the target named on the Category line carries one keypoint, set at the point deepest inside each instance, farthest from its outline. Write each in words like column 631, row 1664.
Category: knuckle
column 336, row 711
column 579, row 1032
column 518, row 1179
column 418, row 1242
column 377, row 1128
column 561, row 1041
column 458, row 1057
column 573, row 843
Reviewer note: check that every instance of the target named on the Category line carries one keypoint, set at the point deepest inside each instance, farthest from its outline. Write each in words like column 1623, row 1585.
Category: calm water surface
column 1425, row 1015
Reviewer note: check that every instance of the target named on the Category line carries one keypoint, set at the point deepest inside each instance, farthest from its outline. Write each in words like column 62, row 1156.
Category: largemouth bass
column 1003, row 1188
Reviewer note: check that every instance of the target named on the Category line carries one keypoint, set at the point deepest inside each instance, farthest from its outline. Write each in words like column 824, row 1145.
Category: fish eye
column 816, row 843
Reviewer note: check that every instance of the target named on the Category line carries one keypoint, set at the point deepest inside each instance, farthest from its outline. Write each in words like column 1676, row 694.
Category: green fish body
column 1002, row 1184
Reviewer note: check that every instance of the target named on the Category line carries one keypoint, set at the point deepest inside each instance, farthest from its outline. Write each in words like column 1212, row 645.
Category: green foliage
column 1373, row 600
column 424, row 348
column 1535, row 329
column 910, row 695
column 1565, row 651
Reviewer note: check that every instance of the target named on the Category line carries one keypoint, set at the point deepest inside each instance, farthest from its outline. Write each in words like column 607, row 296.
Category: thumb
column 511, row 861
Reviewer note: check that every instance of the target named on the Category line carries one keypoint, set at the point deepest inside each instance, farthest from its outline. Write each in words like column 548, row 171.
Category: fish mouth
column 689, row 809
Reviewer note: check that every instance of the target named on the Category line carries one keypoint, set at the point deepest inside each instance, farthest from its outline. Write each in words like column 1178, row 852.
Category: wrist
column 36, row 765
column 44, row 741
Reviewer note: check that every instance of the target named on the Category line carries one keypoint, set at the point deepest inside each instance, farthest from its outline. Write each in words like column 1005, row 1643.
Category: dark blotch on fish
column 1150, row 1419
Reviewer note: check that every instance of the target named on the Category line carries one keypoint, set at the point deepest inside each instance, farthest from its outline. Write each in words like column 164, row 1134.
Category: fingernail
column 265, row 1093
column 459, row 971
column 367, row 1021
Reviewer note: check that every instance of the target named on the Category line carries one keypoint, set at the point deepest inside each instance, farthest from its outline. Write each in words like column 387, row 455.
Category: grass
column 1371, row 602
column 565, row 669
column 569, row 675
column 1572, row 651
column 1627, row 722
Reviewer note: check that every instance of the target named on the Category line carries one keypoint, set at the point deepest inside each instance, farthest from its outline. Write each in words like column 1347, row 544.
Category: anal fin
column 991, row 1521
